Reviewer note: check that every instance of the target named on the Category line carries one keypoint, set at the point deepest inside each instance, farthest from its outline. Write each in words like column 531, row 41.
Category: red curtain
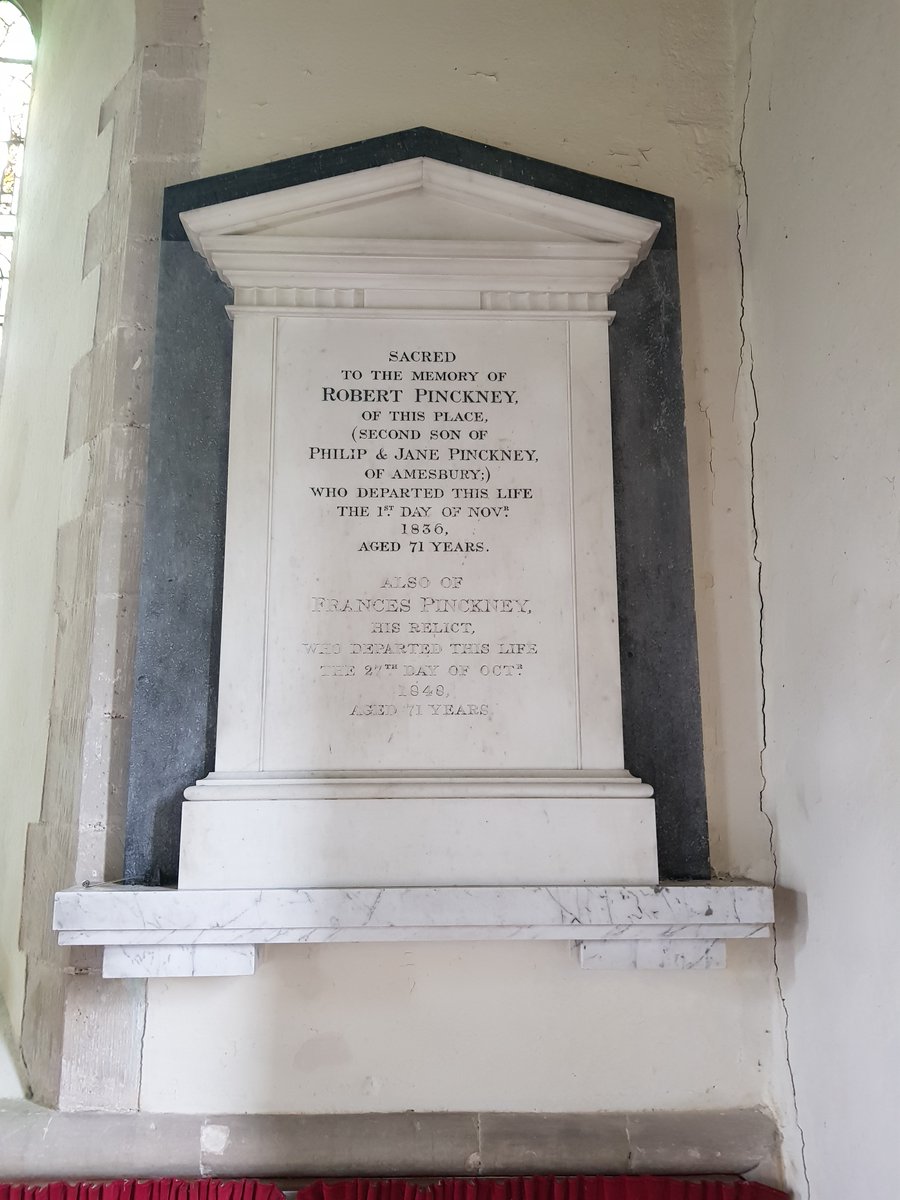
column 538, row 1187
column 140, row 1189
column 534, row 1187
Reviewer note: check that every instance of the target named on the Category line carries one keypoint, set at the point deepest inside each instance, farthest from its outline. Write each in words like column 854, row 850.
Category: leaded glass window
column 16, row 59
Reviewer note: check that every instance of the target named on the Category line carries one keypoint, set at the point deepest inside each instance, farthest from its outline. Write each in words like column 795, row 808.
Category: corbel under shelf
column 149, row 932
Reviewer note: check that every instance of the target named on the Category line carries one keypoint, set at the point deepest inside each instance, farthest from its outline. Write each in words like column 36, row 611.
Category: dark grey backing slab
column 657, row 630
column 177, row 651
column 179, row 617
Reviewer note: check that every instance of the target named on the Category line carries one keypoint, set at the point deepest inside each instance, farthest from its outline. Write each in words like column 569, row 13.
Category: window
column 16, row 60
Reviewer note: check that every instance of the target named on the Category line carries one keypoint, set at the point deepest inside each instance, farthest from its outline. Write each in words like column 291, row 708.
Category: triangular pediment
column 423, row 199
column 418, row 214
column 417, row 225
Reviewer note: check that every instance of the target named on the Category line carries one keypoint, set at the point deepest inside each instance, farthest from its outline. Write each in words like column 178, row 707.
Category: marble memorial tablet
column 419, row 675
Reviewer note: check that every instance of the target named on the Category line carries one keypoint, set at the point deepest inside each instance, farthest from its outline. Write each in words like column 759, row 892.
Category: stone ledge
column 207, row 932
column 38, row 1143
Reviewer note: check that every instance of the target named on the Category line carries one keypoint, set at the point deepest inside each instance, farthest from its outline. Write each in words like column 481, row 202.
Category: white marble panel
column 594, row 549
column 243, row 650
column 110, row 907
column 154, row 931
column 407, row 201
column 682, row 955
column 405, row 933
column 417, row 841
column 389, row 785
column 421, row 587
column 143, row 961
column 419, row 600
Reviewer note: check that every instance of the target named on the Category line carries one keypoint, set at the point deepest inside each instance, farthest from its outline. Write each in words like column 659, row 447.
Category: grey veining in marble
column 172, row 962
column 570, row 908
column 155, row 931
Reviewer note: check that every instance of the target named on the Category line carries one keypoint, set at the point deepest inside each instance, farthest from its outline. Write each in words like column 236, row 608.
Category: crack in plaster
column 712, row 469
column 140, row 1080
column 13, row 1044
column 746, row 358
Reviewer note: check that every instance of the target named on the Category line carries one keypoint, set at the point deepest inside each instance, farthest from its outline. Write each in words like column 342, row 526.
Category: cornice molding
column 549, row 245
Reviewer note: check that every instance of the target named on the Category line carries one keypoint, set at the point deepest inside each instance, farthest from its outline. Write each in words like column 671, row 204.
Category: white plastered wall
column 85, row 47
column 822, row 254
column 12, row 1083
column 642, row 94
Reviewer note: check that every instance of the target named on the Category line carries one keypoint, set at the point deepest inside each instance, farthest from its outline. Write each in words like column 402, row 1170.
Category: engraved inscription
column 421, row 591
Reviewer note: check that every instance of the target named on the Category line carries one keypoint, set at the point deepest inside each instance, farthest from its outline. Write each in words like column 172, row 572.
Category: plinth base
column 427, row 830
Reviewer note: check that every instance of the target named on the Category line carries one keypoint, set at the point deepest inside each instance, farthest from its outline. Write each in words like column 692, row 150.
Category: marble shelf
column 207, row 932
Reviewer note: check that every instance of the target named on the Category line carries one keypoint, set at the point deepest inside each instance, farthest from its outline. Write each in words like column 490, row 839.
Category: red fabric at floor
column 538, row 1187
column 139, row 1189
column 533, row 1187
